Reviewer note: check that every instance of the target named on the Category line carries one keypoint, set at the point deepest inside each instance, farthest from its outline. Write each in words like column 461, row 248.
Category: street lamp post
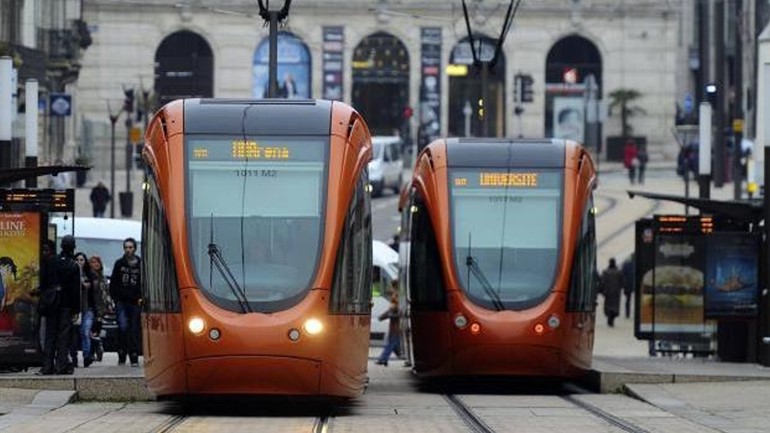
column 113, row 121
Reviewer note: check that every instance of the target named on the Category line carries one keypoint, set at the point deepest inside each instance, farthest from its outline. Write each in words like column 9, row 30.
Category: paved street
column 394, row 402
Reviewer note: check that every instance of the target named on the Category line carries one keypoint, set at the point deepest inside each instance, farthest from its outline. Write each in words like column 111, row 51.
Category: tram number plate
column 256, row 173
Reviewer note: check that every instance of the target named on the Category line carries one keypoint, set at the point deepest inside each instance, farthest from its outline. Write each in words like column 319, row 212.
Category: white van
column 101, row 237
column 386, row 165
column 385, row 263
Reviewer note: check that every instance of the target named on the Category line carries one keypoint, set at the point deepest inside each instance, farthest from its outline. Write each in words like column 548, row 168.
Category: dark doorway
column 184, row 67
column 570, row 62
column 381, row 83
column 466, row 90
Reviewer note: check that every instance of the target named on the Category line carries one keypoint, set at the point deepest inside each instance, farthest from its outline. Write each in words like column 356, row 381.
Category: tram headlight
column 313, row 326
column 196, row 325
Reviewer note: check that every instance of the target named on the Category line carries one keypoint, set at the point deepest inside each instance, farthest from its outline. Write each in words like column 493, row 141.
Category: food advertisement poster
column 19, row 274
column 671, row 296
column 732, row 275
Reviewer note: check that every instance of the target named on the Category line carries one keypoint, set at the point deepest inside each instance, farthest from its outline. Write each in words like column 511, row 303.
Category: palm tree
column 622, row 98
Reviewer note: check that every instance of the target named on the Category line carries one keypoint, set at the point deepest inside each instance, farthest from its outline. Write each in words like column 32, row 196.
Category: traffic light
column 712, row 93
column 128, row 101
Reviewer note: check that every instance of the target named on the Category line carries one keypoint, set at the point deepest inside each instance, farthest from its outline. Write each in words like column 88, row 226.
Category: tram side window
column 158, row 273
column 426, row 282
column 582, row 291
column 351, row 291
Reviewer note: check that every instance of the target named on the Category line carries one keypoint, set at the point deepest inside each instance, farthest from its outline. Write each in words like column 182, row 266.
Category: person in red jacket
column 630, row 159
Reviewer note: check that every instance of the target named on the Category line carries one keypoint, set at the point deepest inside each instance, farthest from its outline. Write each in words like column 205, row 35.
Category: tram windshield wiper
column 473, row 268
column 215, row 253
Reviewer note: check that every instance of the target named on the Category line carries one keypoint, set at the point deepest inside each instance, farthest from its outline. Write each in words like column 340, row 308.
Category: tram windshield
column 255, row 217
column 506, row 226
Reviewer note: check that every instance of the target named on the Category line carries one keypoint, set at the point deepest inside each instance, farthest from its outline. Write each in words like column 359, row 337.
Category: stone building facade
column 392, row 58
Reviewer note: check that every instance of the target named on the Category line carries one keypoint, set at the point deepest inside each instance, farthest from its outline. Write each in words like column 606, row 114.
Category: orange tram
column 498, row 259
column 257, row 249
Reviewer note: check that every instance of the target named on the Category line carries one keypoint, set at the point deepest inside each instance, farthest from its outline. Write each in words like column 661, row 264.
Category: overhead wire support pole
column 273, row 18
column 485, row 67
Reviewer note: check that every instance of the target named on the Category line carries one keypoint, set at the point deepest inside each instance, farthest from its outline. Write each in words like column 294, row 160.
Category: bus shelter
column 698, row 279
column 23, row 227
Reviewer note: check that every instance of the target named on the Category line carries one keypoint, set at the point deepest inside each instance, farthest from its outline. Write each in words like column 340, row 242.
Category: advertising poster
column 672, row 291
column 644, row 262
column 568, row 120
column 333, row 62
column 732, row 275
column 430, row 85
column 19, row 275
column 293, row 68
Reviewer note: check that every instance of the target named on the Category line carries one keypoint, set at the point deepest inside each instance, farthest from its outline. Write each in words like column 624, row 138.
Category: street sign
column 61, row 104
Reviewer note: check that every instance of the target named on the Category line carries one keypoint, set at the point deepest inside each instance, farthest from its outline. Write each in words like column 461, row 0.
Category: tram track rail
column 604, row 415
column 469, row 417
column 656, row 204
column 322, row 424
column 171, row 424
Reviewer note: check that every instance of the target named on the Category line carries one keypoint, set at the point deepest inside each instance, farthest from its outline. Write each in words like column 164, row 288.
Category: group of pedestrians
column 75, row 295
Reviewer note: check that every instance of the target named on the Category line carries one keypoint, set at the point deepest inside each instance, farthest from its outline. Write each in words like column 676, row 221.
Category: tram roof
column 505, row 152
column 258, row 116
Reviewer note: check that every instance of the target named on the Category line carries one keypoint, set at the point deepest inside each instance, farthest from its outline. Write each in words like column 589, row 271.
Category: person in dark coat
column 125, row 290
column 629, row 278
column 100, row 195
column 60, row 273
column 610, row 285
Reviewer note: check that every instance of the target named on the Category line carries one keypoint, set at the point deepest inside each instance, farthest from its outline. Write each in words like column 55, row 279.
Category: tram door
column 428, row 314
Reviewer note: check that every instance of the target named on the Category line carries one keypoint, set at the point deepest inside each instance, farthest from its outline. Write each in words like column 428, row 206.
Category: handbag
column 49, row 301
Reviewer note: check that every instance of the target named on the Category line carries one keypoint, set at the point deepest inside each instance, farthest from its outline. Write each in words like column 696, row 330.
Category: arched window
column 570, row 62
column 381, row 83
column 466, row 90
column 184, row 67
column 293, row 68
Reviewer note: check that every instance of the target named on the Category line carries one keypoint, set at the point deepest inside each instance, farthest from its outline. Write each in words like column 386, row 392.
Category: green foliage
column 622, row 99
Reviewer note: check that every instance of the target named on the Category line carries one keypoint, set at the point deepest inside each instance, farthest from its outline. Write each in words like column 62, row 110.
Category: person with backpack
column 125, row 289
column 59, row 305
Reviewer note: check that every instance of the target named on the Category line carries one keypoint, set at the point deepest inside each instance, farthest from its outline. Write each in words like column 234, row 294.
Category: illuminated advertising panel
column 19, row 279
column 732, row 275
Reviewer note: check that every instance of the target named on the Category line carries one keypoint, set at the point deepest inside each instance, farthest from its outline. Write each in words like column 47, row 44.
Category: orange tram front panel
column 511, row 243
column 251, row 201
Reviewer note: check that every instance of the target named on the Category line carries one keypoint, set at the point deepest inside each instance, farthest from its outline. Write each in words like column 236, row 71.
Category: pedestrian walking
column 101, row 290
column 641, row 155
column 60, row 294
column 630, row 160
column 125, row 289
column 394, row 331
column 629, row 278
column 91, row 307
column 100, row 196
column 610, row 285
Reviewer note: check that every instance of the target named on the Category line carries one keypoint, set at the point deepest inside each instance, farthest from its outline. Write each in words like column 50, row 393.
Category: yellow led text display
column 247, row 149
column 508, row 179
column 200, row 153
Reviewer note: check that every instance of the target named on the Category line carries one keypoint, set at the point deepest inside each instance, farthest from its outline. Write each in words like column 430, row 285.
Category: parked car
column 101, row 237
column 387, row 164
column 385, row 263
